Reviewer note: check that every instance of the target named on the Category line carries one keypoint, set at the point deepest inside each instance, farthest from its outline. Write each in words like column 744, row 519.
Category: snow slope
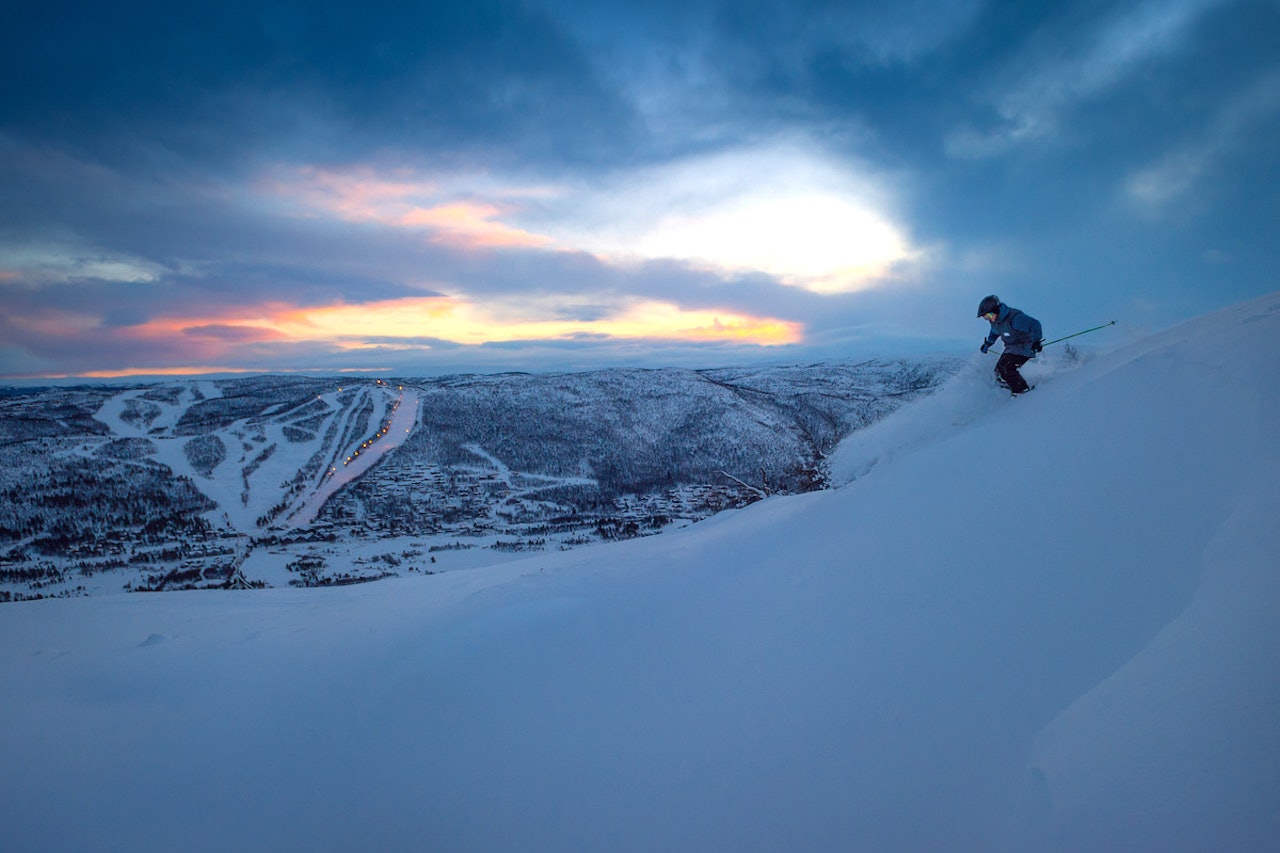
column 1050, row 623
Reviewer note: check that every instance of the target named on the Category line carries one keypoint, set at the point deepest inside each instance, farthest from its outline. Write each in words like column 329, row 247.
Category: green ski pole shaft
column 1078, row 334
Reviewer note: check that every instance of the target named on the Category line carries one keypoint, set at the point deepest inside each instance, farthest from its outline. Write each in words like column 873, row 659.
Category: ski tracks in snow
column 142, row 413
column 358, row 459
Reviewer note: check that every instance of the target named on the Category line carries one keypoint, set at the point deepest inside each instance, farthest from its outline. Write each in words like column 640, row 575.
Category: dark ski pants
column 1007, row 370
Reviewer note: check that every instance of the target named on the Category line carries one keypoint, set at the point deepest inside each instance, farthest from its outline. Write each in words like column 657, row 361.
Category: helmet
column 989, row 304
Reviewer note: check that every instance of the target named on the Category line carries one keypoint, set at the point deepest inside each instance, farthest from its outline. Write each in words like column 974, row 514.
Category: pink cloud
column 471, row 226
column 398, row 199
column 201, row 341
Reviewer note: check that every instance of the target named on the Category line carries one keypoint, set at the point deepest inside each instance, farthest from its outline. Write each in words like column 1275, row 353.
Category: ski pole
column 1077, row 334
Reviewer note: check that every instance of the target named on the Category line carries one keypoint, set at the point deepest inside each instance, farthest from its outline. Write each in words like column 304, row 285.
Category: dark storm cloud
column 219, row 79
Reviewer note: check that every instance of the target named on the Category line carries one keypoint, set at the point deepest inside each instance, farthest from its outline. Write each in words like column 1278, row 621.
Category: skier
column 1022, row 340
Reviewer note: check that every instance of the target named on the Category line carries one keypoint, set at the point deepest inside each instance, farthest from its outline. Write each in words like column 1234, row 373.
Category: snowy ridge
column 1043, row 624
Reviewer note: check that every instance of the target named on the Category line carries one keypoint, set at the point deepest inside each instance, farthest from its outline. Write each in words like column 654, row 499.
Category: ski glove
column 986, row 345
column 1037, row 346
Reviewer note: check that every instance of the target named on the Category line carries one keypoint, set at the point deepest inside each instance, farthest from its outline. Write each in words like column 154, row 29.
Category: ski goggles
column 990, row 316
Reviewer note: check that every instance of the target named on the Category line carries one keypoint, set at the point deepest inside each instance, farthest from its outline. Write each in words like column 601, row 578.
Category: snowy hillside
column 286, row 480
column 1040, row 624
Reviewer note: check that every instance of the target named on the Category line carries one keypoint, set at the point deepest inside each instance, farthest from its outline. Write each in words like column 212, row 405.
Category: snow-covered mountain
column 1041, row 624
column 281, row 480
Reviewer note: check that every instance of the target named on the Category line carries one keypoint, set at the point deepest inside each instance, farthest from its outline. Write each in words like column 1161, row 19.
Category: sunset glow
column 466, row 323
column 414, row 322
column 471, row 226
column 781, row 207
column 820, row 242
column 190, row 370
column 396, row 198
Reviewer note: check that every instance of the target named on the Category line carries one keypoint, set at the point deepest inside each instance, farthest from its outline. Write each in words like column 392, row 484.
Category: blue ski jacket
column 1019, row 331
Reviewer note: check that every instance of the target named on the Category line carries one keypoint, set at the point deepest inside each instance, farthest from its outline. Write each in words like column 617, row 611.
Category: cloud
column 69, row 259
column 471, row 225
column 230, row 334
column 782, row 208
column 268, row 331
column 221, row 81
column 886, row 33
column 1059, row 71
column 461, row 321
column 445, row 208
column 703, row 73
column 1180, row 170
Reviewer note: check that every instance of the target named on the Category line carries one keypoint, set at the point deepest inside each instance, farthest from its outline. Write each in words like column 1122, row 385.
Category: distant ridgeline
column 173, row 485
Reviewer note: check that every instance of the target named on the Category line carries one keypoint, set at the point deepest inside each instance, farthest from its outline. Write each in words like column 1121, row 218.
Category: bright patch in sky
column 124, row 373
column 783, row 209
column 65, row 260
column 468, row 323
column 819, row 241
column 413, row 322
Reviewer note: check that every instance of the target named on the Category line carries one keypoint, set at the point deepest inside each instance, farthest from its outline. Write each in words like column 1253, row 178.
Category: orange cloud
column 195, row 345
column 397, row 199
column 664, row 320
column 465, row 323
column 157, row 371
column 409, row 321
column 471, row 226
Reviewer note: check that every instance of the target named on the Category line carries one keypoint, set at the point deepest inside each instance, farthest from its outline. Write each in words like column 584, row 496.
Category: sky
column 420, row 188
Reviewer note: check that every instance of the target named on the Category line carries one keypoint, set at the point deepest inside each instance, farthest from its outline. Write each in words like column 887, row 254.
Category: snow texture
column 1049, row 623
